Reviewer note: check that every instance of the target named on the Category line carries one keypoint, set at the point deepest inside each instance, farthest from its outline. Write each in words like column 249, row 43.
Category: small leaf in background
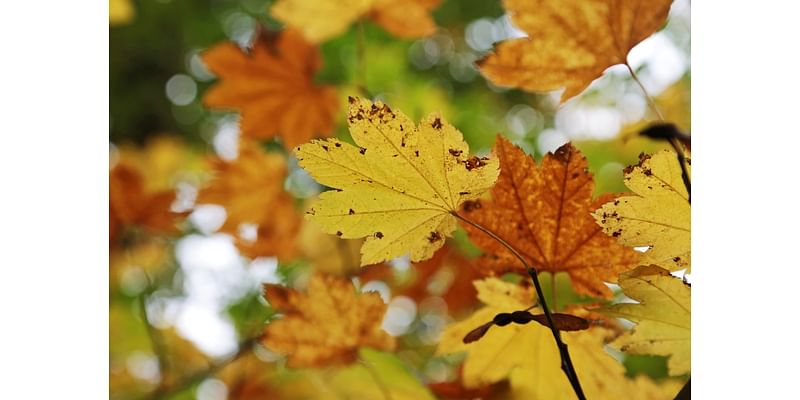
column 272, row 87
column 528, row 358
column 400, row 187
column 545, row 213
column 663, row 318
column 326, row 324
column 320, row 20
column 570, row 44
column 657, row 215
column 131, row 204
column 251, row 190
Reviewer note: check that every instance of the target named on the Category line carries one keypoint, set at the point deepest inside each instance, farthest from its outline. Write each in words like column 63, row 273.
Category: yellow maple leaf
column 663, row 317
column 325, row 325
column 528, row 357
column 273, row 88
column 658, row 214
column 251, row 190
column 401, row 187
column 320, row 20
column 570, row 43
column 544, row 211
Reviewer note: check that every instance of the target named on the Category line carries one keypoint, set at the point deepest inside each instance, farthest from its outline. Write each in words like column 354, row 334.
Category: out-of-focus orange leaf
column 271, row 86
column 448, row 274
column 320, row 20
column 455, row 390
column 570, row 43
column 251, row 190
column 545, row 213
column 325, row 325
column 131, row 204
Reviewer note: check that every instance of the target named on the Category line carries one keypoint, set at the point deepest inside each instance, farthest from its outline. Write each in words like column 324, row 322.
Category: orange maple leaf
column 131, row 204
column 545, row 213
column 570, row 44
column 327, row 324
column 272, row 87
column 251, row 190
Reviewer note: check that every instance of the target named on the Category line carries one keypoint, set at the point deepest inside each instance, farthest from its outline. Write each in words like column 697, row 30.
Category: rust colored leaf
column 570, row 44
column 131, row 204
column 545, row 213
column 272, row 87
column 326, row 324
column 251, row 190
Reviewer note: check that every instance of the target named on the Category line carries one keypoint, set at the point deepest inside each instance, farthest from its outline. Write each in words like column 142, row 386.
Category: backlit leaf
column 663, row 317
column 570, row 43
column 657, row 215
column 544, row 212
column 400, row 187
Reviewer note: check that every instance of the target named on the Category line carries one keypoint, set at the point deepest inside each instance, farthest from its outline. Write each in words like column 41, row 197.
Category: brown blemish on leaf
column 324, row 147
column 471, row 205
column 362, row 150
column 474, row 162
column 379, row 235
column 563, row 153
column 338, row 144
column 416, row 153
column 434, row 237
column 338, row 233
column 351, row 212
column 437, row 123
column 455, row 153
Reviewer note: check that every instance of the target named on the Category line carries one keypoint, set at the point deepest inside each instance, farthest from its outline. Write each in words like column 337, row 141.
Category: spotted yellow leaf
column 663, row 316
column 529, row 358
column 400, row 187
column 658, row 214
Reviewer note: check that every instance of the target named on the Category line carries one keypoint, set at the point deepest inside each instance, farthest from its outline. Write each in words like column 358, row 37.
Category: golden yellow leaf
column 320, row 20
column 570, row 43
column 272, row 86
column 527, row 354
column 120, row 12
column 658, row 214
column 359, row 381
column 325, row 325
column 251, row 190
column 545, row 212
column 663, row 316
column 400, row 188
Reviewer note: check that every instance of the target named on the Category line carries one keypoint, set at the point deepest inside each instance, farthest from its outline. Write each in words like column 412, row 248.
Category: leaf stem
column 672, row 141
column 566, row 361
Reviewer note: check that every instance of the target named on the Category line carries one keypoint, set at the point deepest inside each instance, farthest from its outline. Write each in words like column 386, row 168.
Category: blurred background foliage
column 182, row 302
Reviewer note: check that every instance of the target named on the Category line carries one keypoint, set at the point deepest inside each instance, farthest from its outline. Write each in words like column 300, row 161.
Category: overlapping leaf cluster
column 407, row 214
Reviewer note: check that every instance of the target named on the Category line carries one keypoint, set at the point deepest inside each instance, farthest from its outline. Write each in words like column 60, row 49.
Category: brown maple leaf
column 131, row 204
column 570, row 43
column 251, row 190
column 272, row 87
column 545, row 213
column 326, row 324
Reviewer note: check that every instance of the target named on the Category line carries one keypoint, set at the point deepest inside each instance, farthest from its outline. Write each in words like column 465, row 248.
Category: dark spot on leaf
column 379, row 235
column 416, row 153
column 437, row 123
column 563, row 153
column 676, row 259
column 463, row 193
column 647, row 172
column 362, row 150
column 325, row 147
column 351, row 212
column 616, row 233
column 575, row 175
column 434, row 237
column 401, row 128
column 455, row 153
column 471, row 205
column 351, row 99
column 616, row 202
column 338, row 144
column 473, row 162
column 338, row 233
column 373, row 109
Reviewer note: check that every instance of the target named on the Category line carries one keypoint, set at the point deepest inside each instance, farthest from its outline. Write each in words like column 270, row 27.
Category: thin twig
column 678, row 149
column 566, row 361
